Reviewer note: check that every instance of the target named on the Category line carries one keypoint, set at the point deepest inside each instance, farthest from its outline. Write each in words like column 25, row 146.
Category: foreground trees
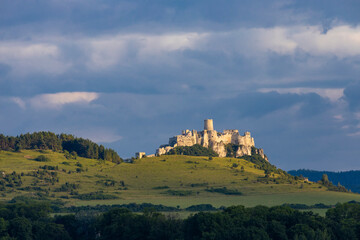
column 32, row 221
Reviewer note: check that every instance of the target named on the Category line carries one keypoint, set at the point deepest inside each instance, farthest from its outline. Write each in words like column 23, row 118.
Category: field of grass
column 157, row 180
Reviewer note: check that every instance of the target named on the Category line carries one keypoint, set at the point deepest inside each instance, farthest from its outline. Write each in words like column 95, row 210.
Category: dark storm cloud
column 95, row 17
column 138, row 72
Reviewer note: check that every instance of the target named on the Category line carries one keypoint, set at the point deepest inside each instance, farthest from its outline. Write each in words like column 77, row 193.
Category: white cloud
column 339, row 117
column 341, row 41
column 250, row 41
column 333, row 94
column 46, row 54
column 27, row 57
column 354, row 134
column 21, row 103
column 108, row 51
column 57, row 100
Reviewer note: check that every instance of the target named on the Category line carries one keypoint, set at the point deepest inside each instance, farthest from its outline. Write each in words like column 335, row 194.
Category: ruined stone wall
column 226, row 138
column 211, row 138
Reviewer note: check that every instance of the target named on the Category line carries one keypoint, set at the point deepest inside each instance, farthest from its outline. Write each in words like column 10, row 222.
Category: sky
column 131, row 74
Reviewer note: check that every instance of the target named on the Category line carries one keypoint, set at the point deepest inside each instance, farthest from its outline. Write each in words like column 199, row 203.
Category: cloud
column 49, row 54
column 341, row 41
column 354, row 134
column 107, row 51
column 57, row 100
column 333, row 94
column 21, row 103
column 352, row 96
column 280, row 69
column 25, row 57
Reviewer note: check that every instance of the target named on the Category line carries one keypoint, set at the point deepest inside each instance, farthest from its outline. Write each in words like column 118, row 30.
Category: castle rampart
column 213, row 139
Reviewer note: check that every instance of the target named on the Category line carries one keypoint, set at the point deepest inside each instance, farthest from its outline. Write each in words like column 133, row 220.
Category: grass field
column 150, row 179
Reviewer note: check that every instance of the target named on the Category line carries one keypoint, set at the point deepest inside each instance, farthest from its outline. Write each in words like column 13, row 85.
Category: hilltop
column 67, row 143
column 229, row 143
column 172, row 180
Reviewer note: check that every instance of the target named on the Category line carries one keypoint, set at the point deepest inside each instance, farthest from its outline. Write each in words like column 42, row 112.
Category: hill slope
column 349, row 179
column 170, row 180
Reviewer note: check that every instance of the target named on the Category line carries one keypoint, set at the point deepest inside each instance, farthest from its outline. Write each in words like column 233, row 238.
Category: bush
column 161, row 187
column 42, row 158
column 225, row 191
column 67, row 187
column 201, row 207
column 180, row 193
column 95, row 196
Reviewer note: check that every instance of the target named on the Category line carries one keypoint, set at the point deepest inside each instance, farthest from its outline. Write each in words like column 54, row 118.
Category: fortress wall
column 211, row 138
column 231, row 131
column 225, row 138
column 187, row 140
column 246, row 141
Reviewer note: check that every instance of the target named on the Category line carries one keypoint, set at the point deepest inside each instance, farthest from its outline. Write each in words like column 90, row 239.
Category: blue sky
column 131, row 74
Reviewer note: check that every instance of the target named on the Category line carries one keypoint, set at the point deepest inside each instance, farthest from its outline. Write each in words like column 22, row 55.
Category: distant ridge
column 349, row 179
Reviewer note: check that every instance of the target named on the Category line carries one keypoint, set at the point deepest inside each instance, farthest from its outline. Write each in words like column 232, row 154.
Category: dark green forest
column 32, row 220
column 71, row 145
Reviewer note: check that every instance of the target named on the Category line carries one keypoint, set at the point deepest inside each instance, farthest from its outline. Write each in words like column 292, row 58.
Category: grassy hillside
column 169, row 180
column 349, row 179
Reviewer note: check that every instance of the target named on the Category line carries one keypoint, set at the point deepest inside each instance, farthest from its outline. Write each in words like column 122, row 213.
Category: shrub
column 179, row 192
column 195, row 150
column 95, row 196
column 225, row 191
column 201, row 207
column 161, row 187
column 42, row 158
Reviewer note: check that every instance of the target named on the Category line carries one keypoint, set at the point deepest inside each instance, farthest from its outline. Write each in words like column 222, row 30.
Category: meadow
column 171, row 180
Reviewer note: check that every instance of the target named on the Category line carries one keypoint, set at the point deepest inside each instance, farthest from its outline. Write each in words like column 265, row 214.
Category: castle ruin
column 215, row 140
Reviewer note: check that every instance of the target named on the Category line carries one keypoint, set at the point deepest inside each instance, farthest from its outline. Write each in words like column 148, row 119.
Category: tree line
column 33, row 221
column 58, row 142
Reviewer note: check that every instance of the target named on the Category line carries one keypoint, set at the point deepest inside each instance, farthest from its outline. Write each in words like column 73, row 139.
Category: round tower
column 208, row 124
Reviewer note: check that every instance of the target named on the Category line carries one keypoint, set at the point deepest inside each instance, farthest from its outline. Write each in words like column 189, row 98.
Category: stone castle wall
column 213, row 139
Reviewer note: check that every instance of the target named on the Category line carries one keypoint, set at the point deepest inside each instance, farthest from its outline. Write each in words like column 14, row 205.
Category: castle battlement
column 213, row 139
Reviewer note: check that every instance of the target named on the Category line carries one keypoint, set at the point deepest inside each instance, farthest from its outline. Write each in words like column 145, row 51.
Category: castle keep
column 213, row 139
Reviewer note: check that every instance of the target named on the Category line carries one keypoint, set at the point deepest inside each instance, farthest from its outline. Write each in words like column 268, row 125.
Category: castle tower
column 208, row 124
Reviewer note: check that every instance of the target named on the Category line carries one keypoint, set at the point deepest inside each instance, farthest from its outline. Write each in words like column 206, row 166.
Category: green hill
column 349, row 179
column 172, row 180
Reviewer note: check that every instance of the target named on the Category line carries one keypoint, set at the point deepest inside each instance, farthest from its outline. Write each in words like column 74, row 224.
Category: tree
column 325, row 179
column 20, row 228
column 18, row 147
